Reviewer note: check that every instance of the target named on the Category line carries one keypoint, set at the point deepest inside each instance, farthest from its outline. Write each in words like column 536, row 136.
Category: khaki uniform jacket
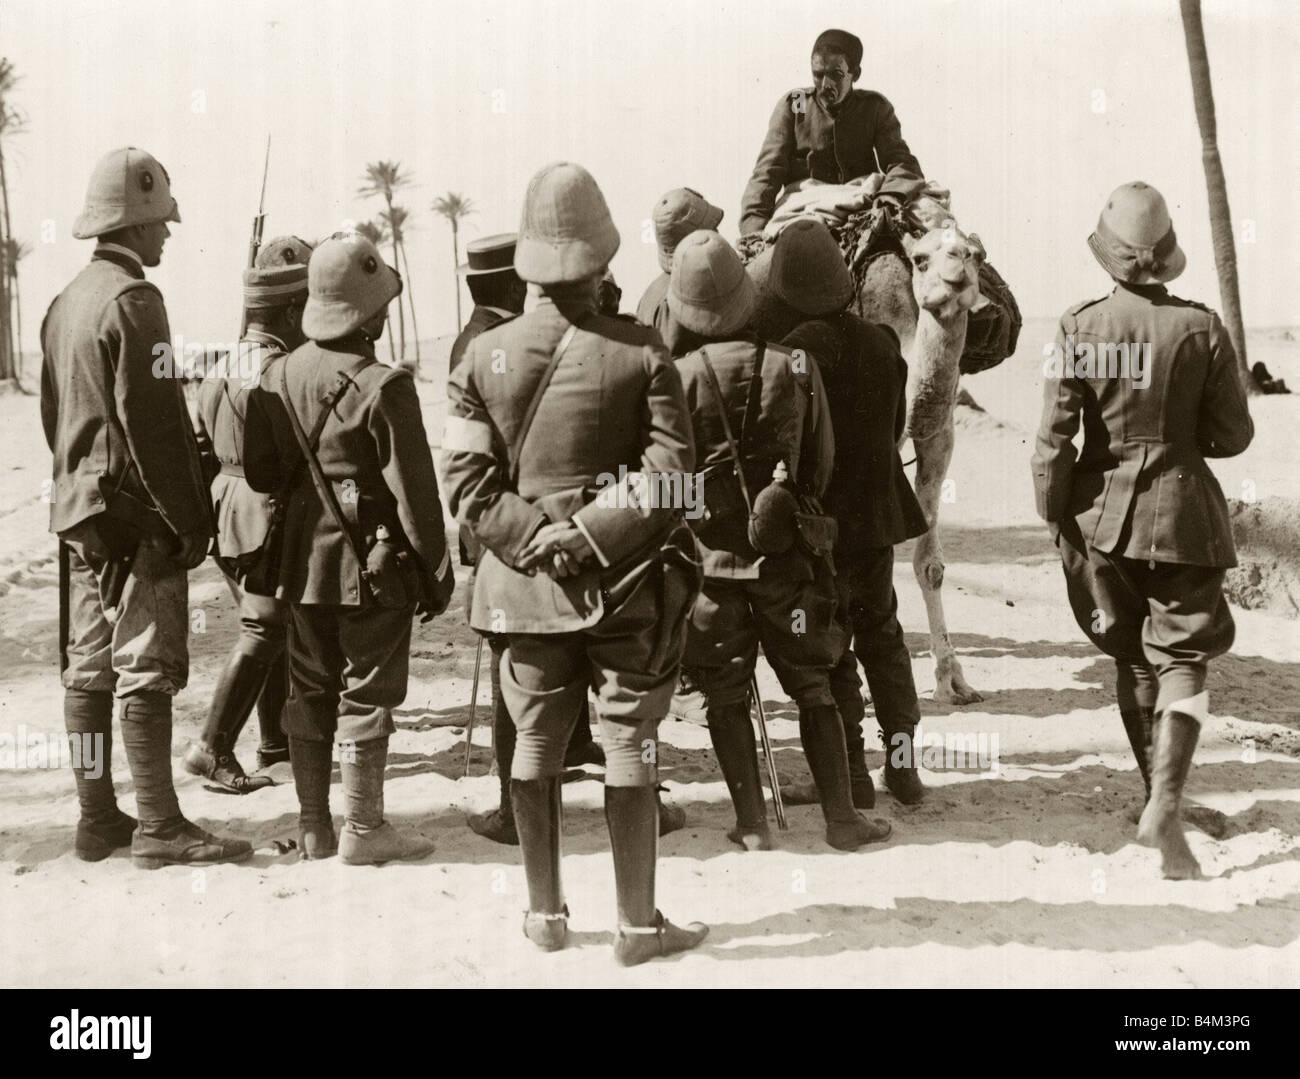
column 614, row 411
column 112, row 425
column 792, row 423
column 804, row 141
column 1140, row 487
column 865, row 377
column 480, row 319
column 242, row 514
column 374, row 452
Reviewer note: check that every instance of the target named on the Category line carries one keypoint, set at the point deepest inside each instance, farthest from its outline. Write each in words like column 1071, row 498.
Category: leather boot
column 902, row 780
column 274, row 746
column 852, row 711
column 213, row 756
column 538, row 819
column 367, row 838
column 643, row 933
column 312, row 764
column 164, row 836
column 732, row 734
column 1137, row 725
column 1161, row 823
column 822, row 734
column 498, row 824
column 102, row 827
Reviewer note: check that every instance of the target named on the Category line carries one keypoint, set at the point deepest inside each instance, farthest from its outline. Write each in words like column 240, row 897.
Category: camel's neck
column 933, row 364
column 938, row 342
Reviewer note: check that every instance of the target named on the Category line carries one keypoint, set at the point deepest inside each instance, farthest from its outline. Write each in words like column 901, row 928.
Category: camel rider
column 874, row 506
column 830, row 131
column 679, row 213
column 751, row 403
column 275, row 290
column 132, row 516
column 1137, row 516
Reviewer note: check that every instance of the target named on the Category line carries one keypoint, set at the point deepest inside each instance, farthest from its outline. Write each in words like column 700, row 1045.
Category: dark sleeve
column 1054, row 452
column 264, row 468
column 49, row 393
column 770, row 170
column 152, row 411
column 397, row 428
column 1224, row 428
column 892, row 152
column 209, row 465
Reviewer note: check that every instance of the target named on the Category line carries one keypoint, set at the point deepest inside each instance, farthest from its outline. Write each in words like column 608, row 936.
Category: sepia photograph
column 682, row 495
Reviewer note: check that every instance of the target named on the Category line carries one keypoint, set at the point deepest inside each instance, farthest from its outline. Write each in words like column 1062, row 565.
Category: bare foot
column 1159, row 827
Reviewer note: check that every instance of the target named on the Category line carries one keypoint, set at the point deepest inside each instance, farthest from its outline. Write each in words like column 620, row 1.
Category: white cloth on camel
column 834, row 204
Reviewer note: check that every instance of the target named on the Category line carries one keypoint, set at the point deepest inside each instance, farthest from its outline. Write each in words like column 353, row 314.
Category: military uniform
column 127, row 495
column 483, row 317
column 558, row 420
column 352, row 593
column 1139, row 518
column 865, row 377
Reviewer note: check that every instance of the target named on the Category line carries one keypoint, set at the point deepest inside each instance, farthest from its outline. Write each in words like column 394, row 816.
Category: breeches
column 263, row 624
column 347, row 671
column 143, row 644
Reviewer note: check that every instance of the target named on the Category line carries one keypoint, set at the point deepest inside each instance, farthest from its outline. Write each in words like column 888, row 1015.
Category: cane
column 473, row 705
column 777, row 805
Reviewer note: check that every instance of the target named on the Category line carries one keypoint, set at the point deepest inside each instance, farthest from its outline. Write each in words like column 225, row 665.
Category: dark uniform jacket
column 121, row 436
column 480, row 319
column 865, row 377
column 1140, row 487
column 615, row 401
column 653, row 311
column 804, row 141
column 790, row 422
column 373, row 451
column 242, row 514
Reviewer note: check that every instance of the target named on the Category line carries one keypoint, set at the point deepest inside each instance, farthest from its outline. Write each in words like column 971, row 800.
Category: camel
column 925, row 295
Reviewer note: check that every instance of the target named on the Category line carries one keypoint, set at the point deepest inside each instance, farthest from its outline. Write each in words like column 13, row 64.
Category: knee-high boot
column 213, row 756
column 274, row 745
column 732, row 734
column 822, row 733
column 498, row 824
column 103, row 828
column 312, row 763
column 538, row 820
column 631, row 814
column 1161, row 823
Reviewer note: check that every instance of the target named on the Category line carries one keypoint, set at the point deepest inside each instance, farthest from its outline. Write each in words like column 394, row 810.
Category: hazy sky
column 1031, row 111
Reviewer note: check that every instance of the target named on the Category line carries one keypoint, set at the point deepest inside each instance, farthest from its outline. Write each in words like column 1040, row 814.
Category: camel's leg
column 933, row 455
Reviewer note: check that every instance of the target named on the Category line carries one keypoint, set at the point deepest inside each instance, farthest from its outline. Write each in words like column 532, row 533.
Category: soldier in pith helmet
column 364, row 543
column 1137, row 516
column 129, row 505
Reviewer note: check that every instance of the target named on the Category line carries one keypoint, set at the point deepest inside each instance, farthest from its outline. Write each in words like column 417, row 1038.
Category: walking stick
column 473, row 705
column 777, row 805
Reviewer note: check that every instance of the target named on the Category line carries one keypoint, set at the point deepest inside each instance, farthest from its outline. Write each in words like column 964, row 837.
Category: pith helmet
column 566, row 232
column 128, row 187
column 283, row 251
column 348, row 283
column 710, row 293
column 808, row 271
column 676, row 216
column 1134, row 240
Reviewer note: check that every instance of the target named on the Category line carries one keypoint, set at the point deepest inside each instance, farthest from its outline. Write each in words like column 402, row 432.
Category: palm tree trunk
column 8, row 366
column 455, row 262
column 392, row 349
column 18, row 316
column 1225, row 252
column 401, row 318
column 410, row 297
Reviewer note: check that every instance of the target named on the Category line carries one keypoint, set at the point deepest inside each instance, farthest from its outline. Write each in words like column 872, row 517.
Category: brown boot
column 1161, row 823
column 367, row 838
column 185, row 843
column 213, row 756
column 312, row 763
column 822, row 734
column 732, row 734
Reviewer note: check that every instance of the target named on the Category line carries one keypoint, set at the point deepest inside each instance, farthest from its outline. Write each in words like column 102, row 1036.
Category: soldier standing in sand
column 132, row 516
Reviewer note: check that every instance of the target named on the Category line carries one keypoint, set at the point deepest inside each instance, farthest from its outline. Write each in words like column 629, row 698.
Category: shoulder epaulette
column 1086, row 303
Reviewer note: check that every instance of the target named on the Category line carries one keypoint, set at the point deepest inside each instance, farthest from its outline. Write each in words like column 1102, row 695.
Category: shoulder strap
column 754, row 398
column 522, row 432
column 726, row 424
column 308, row 446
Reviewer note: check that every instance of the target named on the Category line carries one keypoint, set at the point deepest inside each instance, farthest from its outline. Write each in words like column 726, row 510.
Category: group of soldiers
column 313, row 486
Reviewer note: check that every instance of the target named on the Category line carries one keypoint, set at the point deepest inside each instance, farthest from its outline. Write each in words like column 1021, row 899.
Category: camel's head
column 945, row 270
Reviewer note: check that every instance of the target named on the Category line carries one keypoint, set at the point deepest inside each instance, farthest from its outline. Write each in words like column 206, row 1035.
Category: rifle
column 778, row 806
column 255, row 241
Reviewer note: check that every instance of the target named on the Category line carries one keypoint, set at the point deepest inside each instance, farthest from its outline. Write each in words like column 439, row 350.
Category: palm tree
column 14, row 252
column 377, row 233
column 453, row 207
column 1225, row 251
column 395, row 219
column 383, row 178
column 11, row 123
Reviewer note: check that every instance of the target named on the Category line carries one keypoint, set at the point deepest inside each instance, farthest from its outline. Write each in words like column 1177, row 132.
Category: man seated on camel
column 829, row 131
